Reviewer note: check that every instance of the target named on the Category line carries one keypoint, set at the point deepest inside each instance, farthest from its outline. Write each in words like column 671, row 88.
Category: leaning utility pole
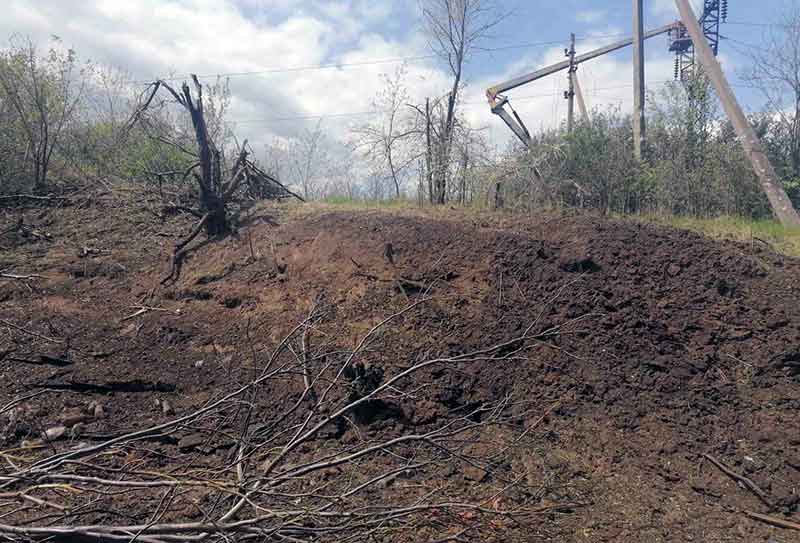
column 781, row 204
column 579, row 96
column 638, row 78
column 570, row 94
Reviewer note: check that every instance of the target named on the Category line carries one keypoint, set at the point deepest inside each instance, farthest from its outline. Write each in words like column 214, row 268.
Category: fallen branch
column 136, row 385
column 271, row 179
column 44, row 360
column 20, row 277
column 25, row 331
column 774, row 521
column 142, row 309
column 32, row 197
column 747, row 483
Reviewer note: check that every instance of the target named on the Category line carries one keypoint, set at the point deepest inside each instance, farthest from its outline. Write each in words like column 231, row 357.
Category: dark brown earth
column 673, row 346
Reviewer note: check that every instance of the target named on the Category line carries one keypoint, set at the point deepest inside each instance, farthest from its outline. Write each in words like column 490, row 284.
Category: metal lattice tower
column 715, row 12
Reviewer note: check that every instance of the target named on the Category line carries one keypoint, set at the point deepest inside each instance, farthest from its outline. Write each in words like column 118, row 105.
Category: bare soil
column 678, row 346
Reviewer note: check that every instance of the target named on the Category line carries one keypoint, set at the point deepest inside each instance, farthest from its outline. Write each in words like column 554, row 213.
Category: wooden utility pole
column 570, row 94
column 579, row 96
column 638, row 78
column 771, row 184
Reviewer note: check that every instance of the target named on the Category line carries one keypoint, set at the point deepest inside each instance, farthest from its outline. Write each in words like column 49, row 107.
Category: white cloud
column 591, row 16
column 153, row 38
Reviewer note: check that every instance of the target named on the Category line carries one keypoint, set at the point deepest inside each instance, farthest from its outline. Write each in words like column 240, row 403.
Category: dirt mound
column 655, row 348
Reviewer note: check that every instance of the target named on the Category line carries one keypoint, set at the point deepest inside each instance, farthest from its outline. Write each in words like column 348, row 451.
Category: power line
column 744, row 44
column 525, row 98
column 298, row 68
column 744, row 23
column 339, row 65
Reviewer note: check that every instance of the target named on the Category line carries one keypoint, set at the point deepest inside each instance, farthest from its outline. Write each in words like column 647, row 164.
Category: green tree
column 39, row 96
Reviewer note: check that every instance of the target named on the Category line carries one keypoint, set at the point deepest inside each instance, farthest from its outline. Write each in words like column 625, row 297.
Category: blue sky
column 285, row 39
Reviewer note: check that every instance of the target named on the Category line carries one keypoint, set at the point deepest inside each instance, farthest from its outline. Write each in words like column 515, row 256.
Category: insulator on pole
column 724, row 10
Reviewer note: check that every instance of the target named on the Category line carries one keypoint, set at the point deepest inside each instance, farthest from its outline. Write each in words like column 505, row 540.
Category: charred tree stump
column 215, row 193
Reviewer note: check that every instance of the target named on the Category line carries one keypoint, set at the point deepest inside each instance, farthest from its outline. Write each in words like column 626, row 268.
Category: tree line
column 63, row 121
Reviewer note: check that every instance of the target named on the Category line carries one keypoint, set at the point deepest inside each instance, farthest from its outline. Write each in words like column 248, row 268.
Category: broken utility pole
column 638, row 79
column 781, row 204
column 570, row 94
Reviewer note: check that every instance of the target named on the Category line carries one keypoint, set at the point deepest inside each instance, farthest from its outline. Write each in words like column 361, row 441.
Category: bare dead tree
column 455, row 29
column 288, row 473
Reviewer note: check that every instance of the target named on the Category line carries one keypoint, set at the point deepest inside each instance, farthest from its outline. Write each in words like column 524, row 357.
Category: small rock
column 199, row 364
column 72, row 416
column 740, row 334
column 191, row 441
column 76, row 431
column 56, row 432
column 166, row 408
column 98, row 411
column 474, row 473
column 773, row 323
column 673, row 270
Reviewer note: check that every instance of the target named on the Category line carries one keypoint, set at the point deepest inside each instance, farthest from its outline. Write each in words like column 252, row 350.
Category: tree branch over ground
column 286, row 472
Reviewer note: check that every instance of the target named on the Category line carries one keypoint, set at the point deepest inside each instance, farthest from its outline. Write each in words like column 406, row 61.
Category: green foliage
column 792, row 186
column 693, row 162
column 38, row 96
column 600, row 163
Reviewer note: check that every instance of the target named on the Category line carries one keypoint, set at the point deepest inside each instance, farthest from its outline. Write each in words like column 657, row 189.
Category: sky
column 302, row 62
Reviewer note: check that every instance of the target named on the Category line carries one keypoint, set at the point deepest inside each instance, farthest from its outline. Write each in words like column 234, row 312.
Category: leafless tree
column 455, row 29
column 387, row 140
column 775, row 71
column 429, row 123
column 306, row 154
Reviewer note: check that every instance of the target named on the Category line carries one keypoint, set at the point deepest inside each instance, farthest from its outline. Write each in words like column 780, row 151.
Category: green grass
column 783, row 239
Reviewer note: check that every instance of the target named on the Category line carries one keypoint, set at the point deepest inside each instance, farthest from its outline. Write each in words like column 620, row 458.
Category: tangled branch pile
column 310, row 463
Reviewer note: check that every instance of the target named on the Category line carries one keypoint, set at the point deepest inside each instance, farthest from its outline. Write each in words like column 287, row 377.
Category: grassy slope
column 782, row 239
